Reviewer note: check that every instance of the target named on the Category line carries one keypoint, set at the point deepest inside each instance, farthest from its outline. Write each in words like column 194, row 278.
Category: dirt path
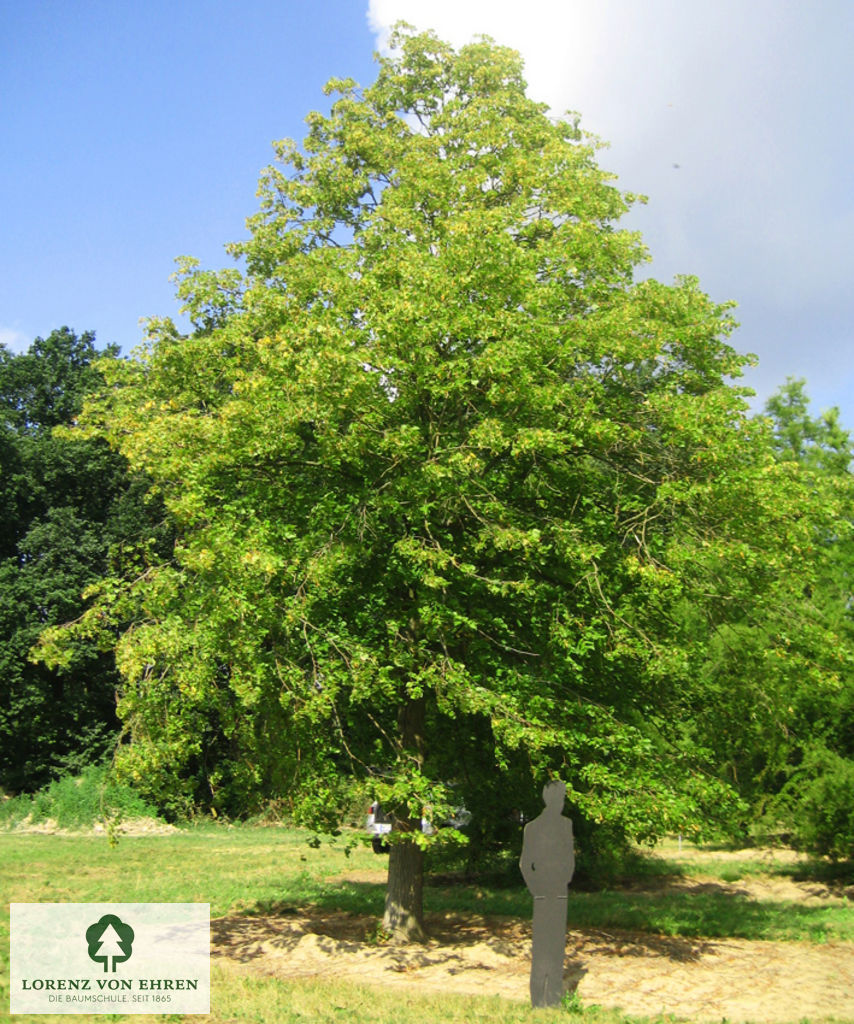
column 643, row 974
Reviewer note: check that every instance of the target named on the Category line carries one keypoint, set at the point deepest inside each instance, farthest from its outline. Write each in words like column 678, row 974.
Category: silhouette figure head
column 554, row 794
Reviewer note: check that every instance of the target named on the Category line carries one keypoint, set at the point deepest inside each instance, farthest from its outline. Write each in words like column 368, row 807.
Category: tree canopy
column 462, row 502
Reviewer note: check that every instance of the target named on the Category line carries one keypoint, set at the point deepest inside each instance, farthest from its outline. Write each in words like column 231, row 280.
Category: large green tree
column 447, row 477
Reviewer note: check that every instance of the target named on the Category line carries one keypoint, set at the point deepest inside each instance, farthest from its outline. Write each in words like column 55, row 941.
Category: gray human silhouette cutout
column 547, row 864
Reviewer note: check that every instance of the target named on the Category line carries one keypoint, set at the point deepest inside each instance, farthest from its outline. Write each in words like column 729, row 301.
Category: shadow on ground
column 247, row 937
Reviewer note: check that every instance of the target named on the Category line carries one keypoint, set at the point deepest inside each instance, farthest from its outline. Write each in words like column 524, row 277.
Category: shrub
column 77, row 801
column 817, row 802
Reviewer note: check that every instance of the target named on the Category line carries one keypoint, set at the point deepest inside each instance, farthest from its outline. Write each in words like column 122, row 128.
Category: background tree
column 66, row 510
column 813, row 799
column 447, row 479
column 772, row 683
column 819, row 444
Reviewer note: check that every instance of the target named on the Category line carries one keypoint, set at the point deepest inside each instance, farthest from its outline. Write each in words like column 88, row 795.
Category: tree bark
column 404, row 905
column 404, row 900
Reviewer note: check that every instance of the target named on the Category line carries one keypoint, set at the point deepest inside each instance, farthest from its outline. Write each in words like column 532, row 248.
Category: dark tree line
column 70, row 512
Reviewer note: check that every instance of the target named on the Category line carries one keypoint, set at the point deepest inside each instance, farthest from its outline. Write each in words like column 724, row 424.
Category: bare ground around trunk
column 699, row 979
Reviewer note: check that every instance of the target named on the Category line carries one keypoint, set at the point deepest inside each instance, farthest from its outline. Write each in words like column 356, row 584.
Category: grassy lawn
column 257, row 870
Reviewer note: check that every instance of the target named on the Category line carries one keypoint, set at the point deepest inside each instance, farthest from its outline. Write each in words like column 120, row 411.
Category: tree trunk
column 404, row 902
column 404, row 905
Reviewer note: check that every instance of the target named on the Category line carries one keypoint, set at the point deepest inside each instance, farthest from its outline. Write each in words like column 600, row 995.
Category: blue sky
column 133, row 133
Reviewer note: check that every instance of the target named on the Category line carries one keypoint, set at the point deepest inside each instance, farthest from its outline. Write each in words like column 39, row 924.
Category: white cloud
column 663, row 81
column 14, row 340
column 550, row 36
column 750, row 100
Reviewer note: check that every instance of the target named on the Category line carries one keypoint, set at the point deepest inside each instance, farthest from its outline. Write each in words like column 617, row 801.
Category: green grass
column 319, row 1002
column 264, row 870
column 238, row 998
column 228, row 868
column 706, row 913
column 713, row 914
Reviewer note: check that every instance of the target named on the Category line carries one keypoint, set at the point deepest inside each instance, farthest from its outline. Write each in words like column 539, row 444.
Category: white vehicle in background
column 378, row 825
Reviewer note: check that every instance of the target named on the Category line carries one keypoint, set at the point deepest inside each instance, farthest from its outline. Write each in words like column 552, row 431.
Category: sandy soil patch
column 643, row 974
column 770, row 855
column 130, row 827
column 762, row 888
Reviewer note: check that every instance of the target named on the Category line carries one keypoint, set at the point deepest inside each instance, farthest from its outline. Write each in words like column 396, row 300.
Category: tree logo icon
column 110, row 941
